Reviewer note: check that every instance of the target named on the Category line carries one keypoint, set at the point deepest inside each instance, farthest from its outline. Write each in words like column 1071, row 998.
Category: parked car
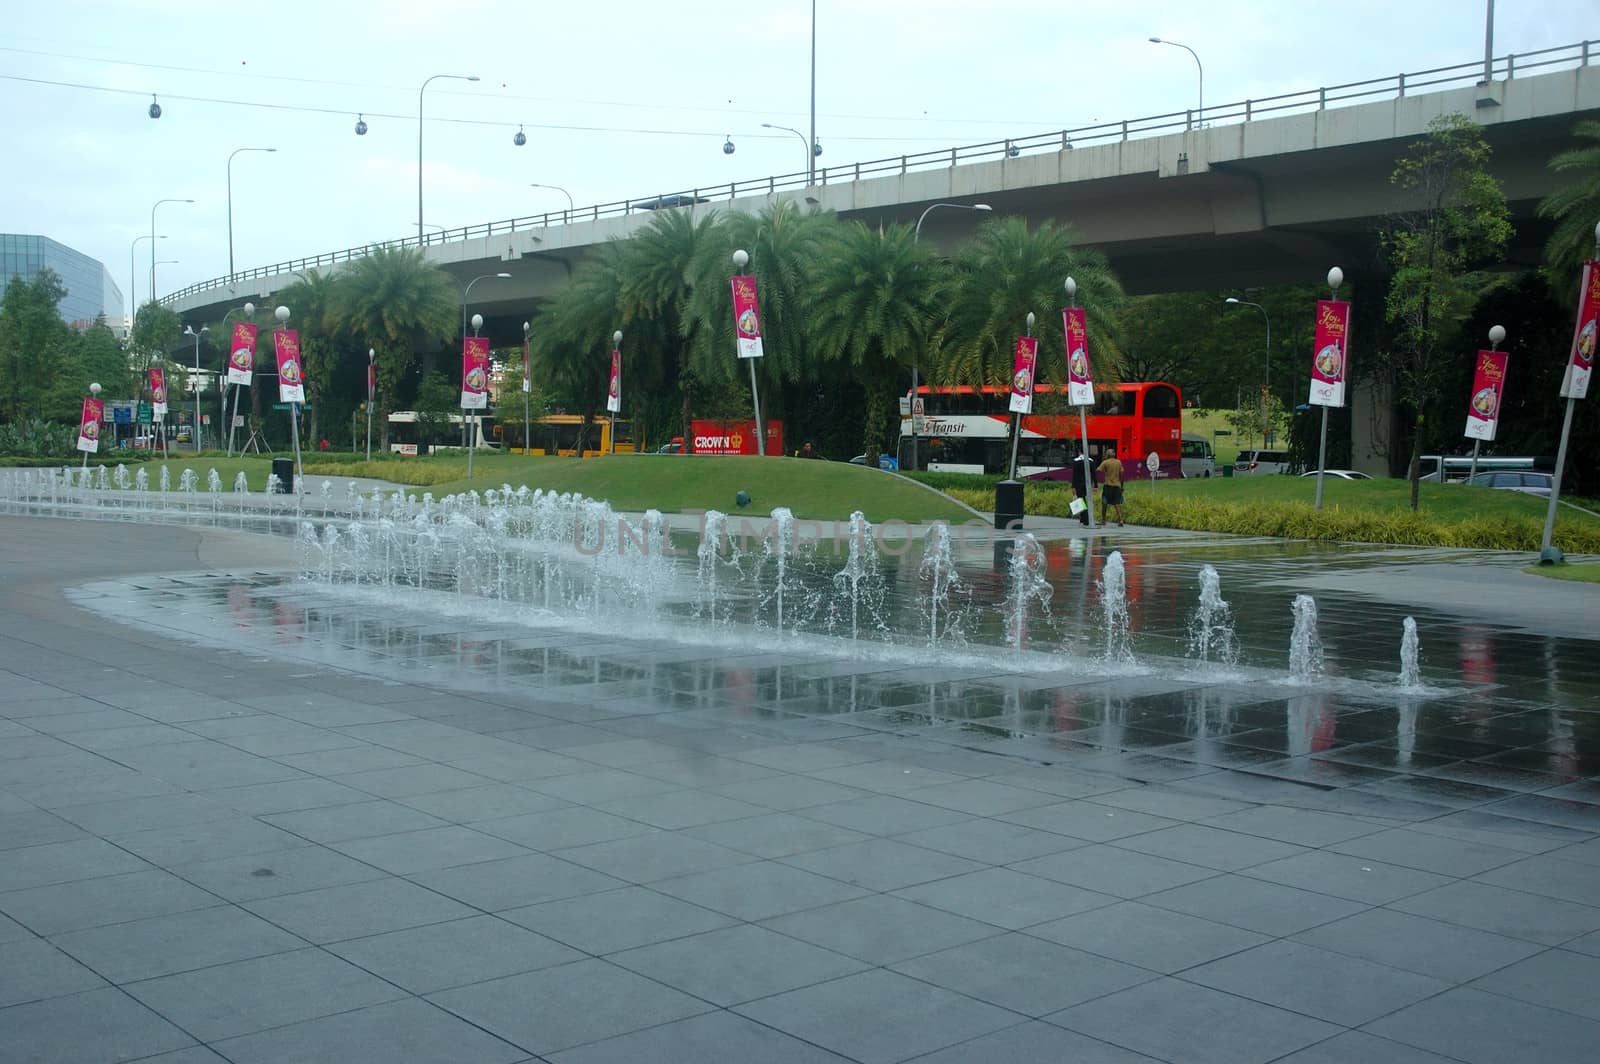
column 675, row 447
column 1197, row 458
column 885, row 461
column 1342, row 474
column 1514, row 480
column 1259, row 463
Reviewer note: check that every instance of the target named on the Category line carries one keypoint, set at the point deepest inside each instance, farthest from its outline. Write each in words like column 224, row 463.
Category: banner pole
column 299, row 471
column 1083, row 432
column 1548, row 554
column 1322, row 457
column 231, row 416
column 1335, row 279
column 755, row 400
column 1472, row 472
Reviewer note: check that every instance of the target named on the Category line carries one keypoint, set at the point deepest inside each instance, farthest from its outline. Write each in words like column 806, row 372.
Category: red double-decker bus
column 967, row 430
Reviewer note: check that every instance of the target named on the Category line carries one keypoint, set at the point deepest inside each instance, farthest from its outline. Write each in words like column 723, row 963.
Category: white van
column 1260, row 463
column 1198, row 459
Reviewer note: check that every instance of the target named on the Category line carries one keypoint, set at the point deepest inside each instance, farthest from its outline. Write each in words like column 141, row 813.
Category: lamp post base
column 1552, row 556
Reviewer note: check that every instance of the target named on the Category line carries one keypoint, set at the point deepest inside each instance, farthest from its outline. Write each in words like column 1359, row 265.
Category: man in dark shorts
column 1110, row 472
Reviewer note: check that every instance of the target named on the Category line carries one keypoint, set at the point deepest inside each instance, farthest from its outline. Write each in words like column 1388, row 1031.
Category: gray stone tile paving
column 321, row 863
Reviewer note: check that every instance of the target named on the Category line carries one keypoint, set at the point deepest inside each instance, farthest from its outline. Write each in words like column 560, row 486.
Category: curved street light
column 571, row 208
column 916, row 236
column 188, row 330
column 812, row 149
column 1199, row 117
column 466, row 293
column 235, row 151
column 152, row 239
column 420, row 91
column 133, row 291
column 1266, row 369
column 153, row 265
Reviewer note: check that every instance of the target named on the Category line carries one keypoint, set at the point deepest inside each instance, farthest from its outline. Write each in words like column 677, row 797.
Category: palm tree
column 571, row 344
column 1002, row 274
column 656, row 289
column 1576, row 207
column 784, row 245
column 312, row 302
column 394, row 302
column 871, row 304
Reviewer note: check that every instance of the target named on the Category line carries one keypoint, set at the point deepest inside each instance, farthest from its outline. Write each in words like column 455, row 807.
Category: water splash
column 166, row 480
column 1305, row 645
column 713, row 531
column 1025, row 585
column 1410, row 669
column 121, row 478
column 1115, row 624
column 778, row 546
column 1211, row 635
column 938, row 568
column 861, row 581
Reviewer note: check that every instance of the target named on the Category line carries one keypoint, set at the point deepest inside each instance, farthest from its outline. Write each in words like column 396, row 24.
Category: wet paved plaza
column 246, row 818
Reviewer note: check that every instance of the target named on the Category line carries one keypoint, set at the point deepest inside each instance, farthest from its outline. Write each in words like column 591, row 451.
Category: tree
column 572, row 347
column 394, row 302
column 1007, row 271
column 871, row 307
column 1576, row 207
column 156, row 330
column 656, row 291
column 438, row 398
column 34, row 343
column 1453, row 222
column 314, row 303
column 784, row 245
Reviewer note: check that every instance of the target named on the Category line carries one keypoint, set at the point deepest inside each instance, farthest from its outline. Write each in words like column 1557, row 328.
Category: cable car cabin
column 967, row 430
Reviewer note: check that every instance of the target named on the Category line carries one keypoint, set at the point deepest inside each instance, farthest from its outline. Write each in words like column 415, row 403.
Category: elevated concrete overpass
column 1249, row 193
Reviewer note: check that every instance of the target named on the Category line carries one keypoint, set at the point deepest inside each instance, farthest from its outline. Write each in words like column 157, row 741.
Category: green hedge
column 1332, row 525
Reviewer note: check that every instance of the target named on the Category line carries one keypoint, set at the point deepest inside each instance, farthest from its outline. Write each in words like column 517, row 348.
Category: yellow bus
column 558, row 434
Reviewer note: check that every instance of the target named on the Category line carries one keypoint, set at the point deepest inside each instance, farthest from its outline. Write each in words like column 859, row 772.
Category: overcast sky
column 618, row 98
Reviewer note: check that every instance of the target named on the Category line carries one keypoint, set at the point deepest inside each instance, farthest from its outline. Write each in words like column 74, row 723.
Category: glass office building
column 90, row 289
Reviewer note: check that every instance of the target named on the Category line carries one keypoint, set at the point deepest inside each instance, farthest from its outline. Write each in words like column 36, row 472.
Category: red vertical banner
column 372, row 380
column 1080, row 388
column 291, row 377
column 1023, row 367
column 1330, row 364
column 1488, row 386
column 242, row 353
column 158, row 391
column 89, row 425
column 475, row 373
column 1575, row 382
column 614, row 389
column 527, row 369
column 746, row 317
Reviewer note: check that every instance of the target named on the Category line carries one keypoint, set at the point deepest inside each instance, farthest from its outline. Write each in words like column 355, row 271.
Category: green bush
column 1293, row 520
column 39, row 439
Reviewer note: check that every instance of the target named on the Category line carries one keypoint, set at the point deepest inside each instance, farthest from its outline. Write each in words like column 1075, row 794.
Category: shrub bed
column 398, row 471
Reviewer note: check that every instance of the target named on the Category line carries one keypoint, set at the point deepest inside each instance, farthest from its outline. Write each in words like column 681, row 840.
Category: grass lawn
column 1586, row 573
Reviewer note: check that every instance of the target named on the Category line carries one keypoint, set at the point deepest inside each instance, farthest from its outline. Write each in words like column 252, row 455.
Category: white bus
column 405, row 438
column 1453, row 468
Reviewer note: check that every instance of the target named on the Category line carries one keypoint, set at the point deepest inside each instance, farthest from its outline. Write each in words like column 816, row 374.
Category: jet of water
column 1118, row 646
column 1305, row 646
column 1410, row 671
column 1211, row 635
column 1026, row 584
column 938, row 568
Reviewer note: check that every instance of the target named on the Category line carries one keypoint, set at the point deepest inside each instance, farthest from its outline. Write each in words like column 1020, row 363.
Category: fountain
column 778, row 545
column 1305, row 646
column 1118, row 647
column 121, row 477
column 712, row 533
column 1410, row 671
column 859, row 580
column 1211, row 636
column 938, row 568
column 1025, row 585
column 166, row 481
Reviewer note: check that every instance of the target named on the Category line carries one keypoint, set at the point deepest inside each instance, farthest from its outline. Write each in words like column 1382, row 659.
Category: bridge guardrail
column 1395, row 86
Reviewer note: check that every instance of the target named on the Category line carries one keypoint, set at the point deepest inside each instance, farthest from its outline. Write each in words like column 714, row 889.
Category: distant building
column 90, row 289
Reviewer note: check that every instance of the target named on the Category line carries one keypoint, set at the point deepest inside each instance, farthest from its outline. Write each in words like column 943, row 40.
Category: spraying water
column 1025, row 585
column 1211, row 635
column 1114, row 610
column 166, row 480
column 1305, row 646
column 121, row 478
column 779, row 546
column 711, row 535
column 938, row 568
column 1410, row 670
column 860, row 580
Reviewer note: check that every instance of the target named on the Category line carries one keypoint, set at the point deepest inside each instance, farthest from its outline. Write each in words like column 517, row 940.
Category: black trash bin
column 283, row 469
column 1008, row 505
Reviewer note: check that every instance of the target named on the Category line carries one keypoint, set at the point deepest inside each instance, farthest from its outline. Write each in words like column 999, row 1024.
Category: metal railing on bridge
column 1394, row 86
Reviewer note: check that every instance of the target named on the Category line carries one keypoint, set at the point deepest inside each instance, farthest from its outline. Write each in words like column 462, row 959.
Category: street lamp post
column 616, row 345
column 153, row 265
column 1497, row 335
column 282, row 314
column 471, row 423
column 812, row 149
column 466, row 294
column 527, row 391
column 916, row 237
column 249, row 311
column 188, row 330
column 1266, row 369
column 1016, row 419
column 94, row 391
column 236, row 151
column 1071, row 287
column 420, row 91
column 571, row 207
column 1201, row 113
column 153, row 239
column 1335, row 279
column 133, row 292
column 741, row 259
